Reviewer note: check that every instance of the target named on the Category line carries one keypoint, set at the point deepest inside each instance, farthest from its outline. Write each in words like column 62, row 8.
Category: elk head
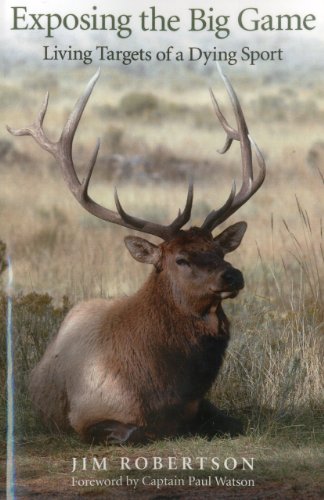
column 194, row 257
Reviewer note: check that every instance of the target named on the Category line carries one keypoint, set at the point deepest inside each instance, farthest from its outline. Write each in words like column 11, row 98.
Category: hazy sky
column 298, row 47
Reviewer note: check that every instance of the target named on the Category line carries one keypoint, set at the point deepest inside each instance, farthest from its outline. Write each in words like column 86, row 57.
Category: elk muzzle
column 233, row 278
column 228, row 283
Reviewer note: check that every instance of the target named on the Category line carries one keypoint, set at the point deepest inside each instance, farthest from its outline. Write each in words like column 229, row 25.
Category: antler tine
column 231, row 133
column 62, row 151
column 216, row 214
column 36, row 129
column 65, row 143
column 242, row 134
column 261, row 161
column 86, row 180
column 130, row 219
column 165, row 232
column 249, row 185
column 184, row 217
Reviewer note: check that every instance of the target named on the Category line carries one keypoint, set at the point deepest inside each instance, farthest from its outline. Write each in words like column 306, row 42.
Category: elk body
column 138, row 367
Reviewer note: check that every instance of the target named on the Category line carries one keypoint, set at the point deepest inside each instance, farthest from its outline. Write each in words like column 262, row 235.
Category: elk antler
column 62, row 152
column 249, row 185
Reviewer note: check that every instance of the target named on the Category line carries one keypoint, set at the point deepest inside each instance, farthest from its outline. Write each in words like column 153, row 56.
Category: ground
column 283, row 470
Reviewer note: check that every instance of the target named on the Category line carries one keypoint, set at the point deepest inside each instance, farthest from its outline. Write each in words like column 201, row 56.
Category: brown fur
column 144, row 361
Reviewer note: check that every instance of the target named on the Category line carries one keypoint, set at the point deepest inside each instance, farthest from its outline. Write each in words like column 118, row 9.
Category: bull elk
column 138, row 367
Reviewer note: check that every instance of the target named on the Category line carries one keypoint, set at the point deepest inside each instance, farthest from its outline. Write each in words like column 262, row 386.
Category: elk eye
column 181, row 261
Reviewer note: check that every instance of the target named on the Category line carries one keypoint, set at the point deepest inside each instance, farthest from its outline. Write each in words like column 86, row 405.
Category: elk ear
column 142, row 250
column 231, row 238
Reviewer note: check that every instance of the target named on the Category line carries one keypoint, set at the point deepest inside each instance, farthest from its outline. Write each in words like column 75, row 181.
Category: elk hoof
column 212, row 422
column 110, row 432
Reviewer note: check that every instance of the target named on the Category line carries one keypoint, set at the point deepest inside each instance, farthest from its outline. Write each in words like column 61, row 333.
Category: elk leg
column 111, row 431
column 211, row 421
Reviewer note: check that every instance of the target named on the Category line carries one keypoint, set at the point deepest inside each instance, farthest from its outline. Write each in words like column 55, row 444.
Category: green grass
column 290, row 455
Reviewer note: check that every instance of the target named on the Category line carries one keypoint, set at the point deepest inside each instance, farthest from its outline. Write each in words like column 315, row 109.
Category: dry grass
column 56, row 246
column 273, row 373
column 282, row 468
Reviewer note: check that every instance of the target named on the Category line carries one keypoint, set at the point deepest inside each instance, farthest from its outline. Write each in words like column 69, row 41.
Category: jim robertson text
column 164, row 463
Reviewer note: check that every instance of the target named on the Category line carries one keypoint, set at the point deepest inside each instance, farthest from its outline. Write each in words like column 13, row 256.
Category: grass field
column 272, row 376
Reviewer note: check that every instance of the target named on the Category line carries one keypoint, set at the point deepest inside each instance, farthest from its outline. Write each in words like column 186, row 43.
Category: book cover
column 162, row 210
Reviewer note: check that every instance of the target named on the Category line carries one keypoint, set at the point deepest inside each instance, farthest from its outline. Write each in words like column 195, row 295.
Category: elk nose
column 233, row 278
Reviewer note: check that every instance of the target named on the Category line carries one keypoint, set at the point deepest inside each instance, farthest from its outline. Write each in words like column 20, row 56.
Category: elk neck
column 163, row 295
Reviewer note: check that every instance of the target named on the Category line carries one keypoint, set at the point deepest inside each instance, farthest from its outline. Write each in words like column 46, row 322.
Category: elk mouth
column 229, row 295
column 225, row 294
column 233, row 283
